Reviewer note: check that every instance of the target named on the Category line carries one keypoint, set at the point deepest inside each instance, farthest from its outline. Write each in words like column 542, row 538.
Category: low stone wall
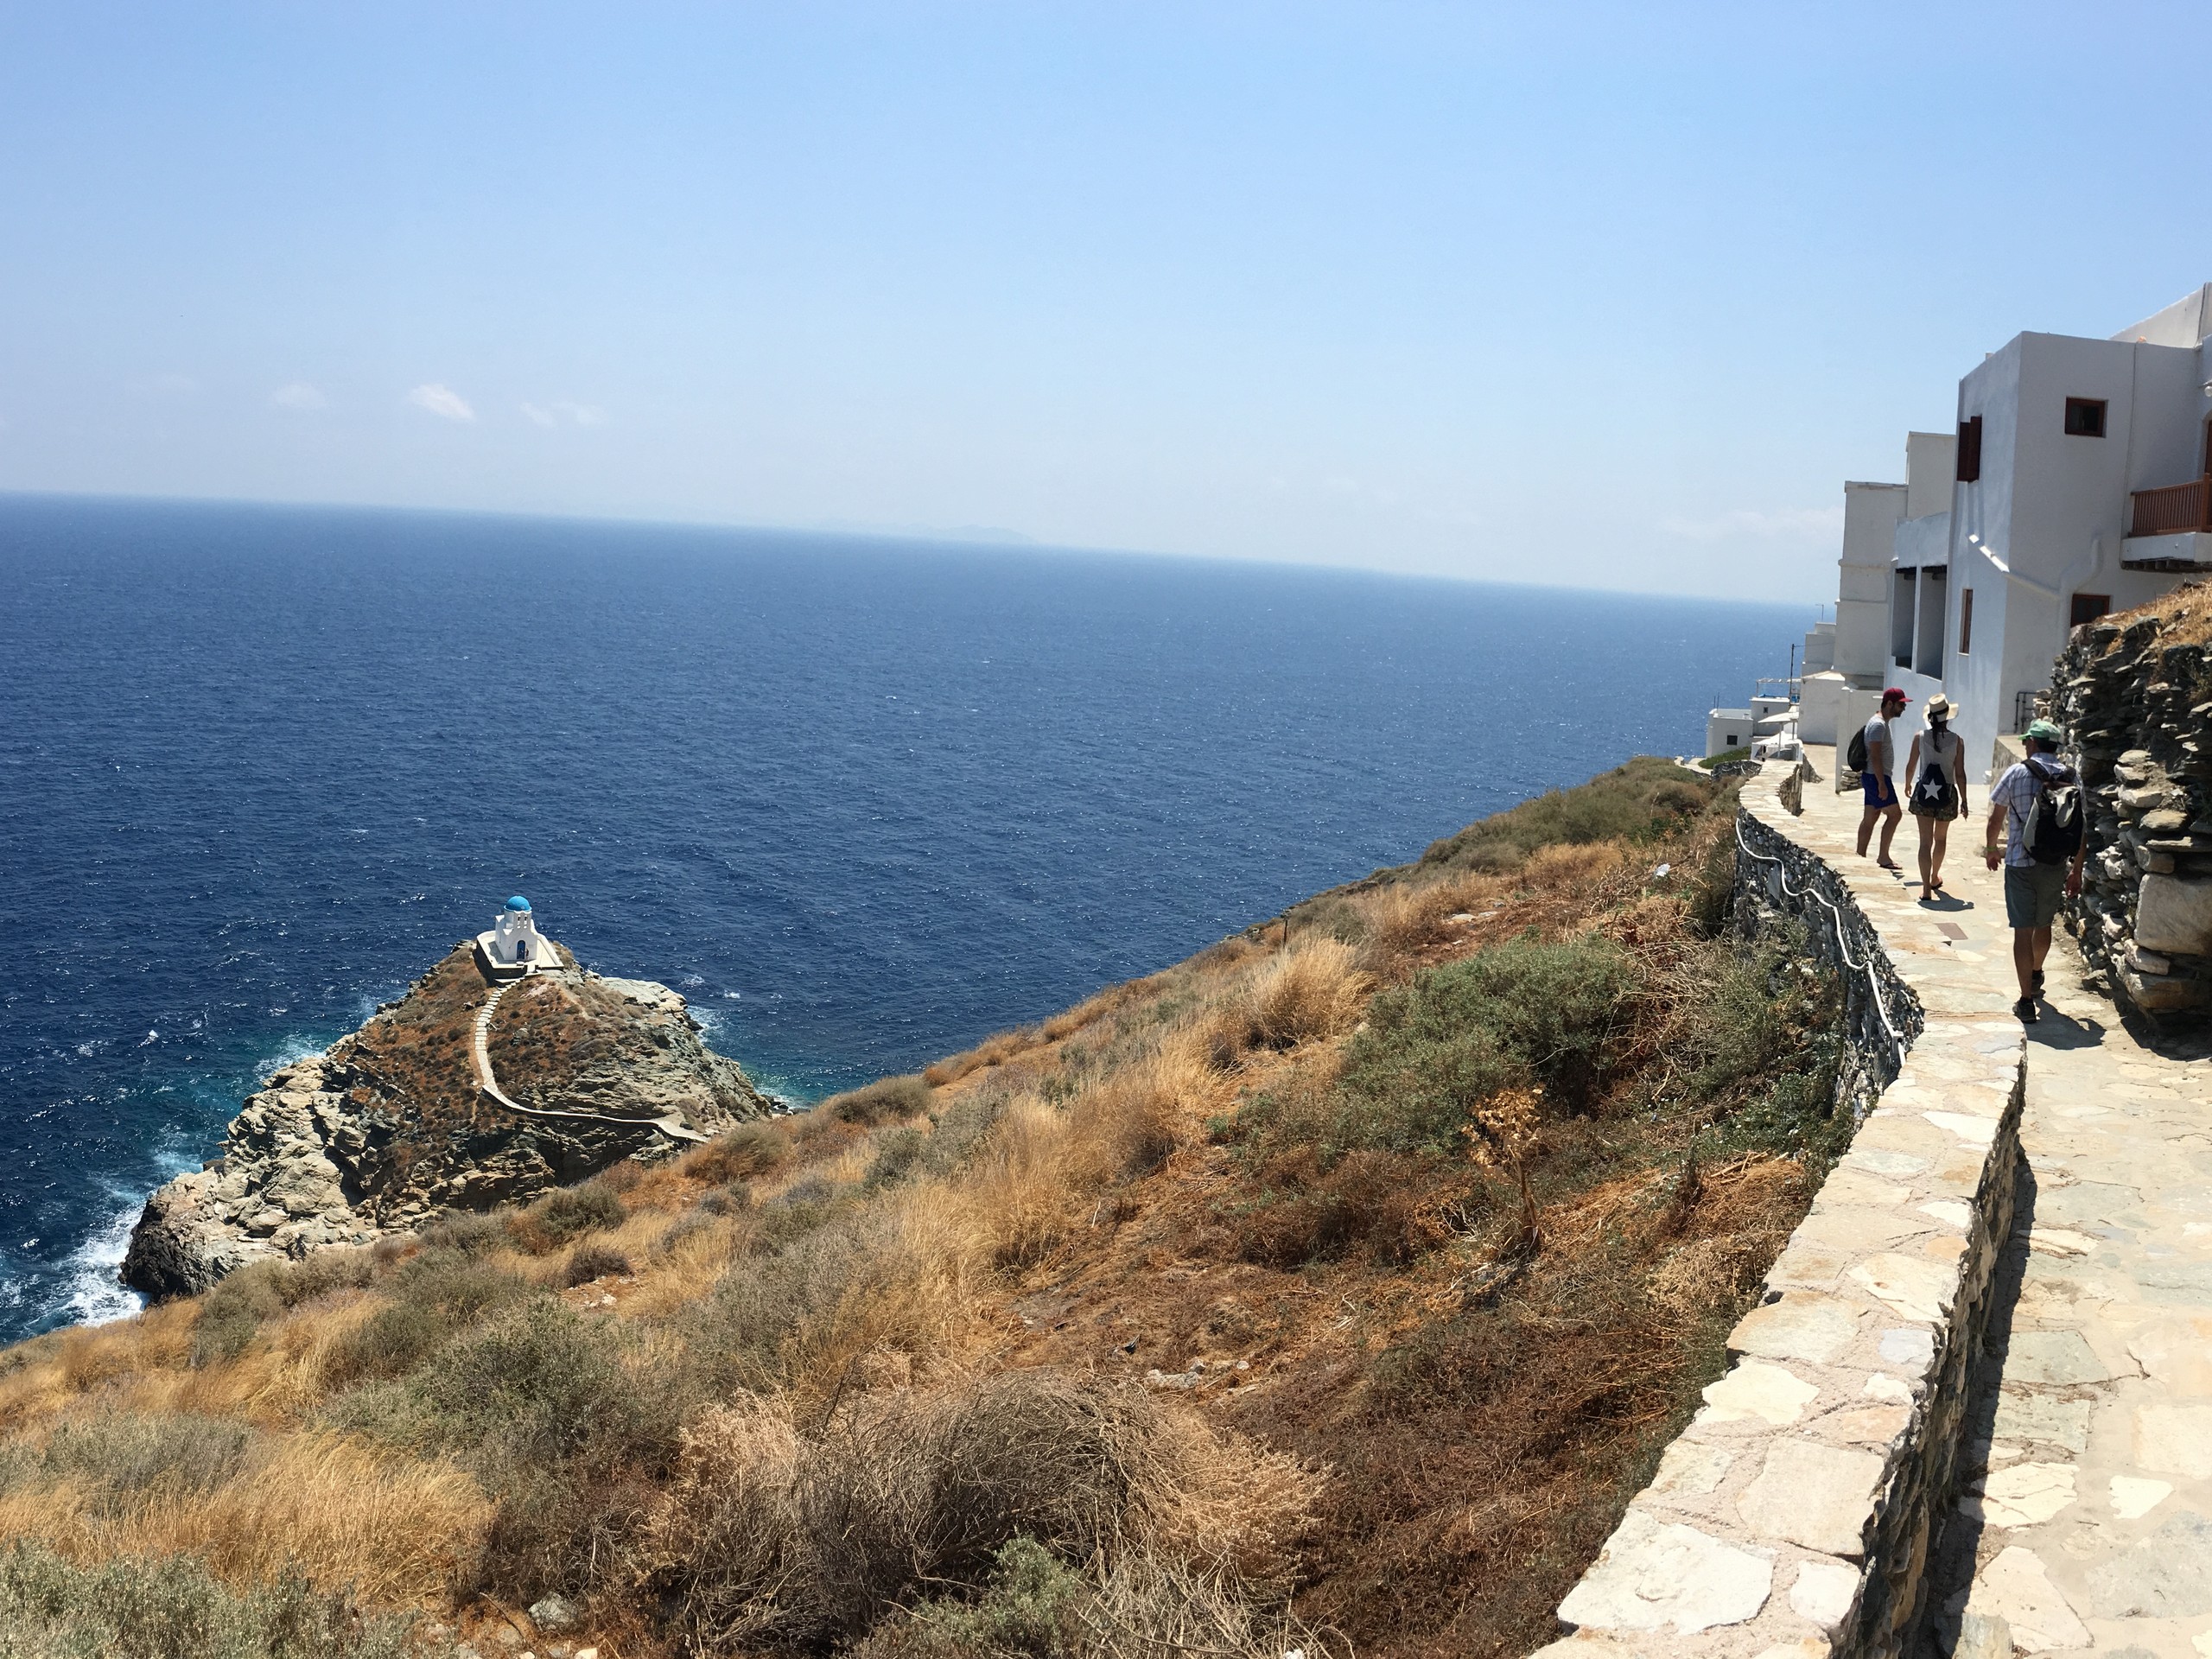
column 2138, row 712
column 1793, row 1516
column 1775, row 877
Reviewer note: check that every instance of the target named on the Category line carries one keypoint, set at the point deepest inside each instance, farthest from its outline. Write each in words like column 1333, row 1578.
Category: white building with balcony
column 2079, row 481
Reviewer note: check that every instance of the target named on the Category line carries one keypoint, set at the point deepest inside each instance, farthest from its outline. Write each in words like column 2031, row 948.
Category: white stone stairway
column 672, row 1125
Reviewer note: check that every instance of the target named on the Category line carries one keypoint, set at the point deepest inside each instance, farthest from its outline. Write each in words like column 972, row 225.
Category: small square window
column 1732, row 739
column 2088, row 607
column 2085, row 418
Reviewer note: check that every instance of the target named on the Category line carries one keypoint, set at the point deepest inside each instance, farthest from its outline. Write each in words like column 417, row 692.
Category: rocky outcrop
column 392, row 1125
column 2137, row 701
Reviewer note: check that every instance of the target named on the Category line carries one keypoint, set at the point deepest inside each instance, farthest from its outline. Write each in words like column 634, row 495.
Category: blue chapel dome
column 517, row 903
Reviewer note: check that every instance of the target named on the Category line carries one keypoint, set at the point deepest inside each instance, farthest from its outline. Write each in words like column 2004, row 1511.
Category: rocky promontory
column 394, row 1123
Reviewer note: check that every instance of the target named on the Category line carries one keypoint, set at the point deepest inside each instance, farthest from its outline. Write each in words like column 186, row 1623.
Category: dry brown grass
column 401, row 1530
column 2183, row 616
column 1314, row 989
column 1406, row 918
column 996, row 1050
column 903, row 1292
column 48, row 1376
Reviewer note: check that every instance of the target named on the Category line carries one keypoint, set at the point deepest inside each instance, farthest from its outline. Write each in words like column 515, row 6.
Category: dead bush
column 767, row 1535
column 745, row 1152
column 591, row 1261
column 887, row 1100
column 1374, row 1202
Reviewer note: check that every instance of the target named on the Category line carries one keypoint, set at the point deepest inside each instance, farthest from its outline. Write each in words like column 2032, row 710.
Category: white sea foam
column 287, row 1052
column 94, row 1294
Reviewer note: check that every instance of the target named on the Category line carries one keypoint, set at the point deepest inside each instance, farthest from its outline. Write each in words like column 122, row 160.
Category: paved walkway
column 2091, row 1529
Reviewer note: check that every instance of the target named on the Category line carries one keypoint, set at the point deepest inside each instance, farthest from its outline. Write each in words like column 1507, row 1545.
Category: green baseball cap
column 2044, row 732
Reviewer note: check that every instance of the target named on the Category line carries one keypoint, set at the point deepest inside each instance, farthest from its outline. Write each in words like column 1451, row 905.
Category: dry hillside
column 1333, row 1289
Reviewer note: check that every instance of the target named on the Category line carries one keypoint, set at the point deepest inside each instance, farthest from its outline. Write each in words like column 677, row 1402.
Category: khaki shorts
column 2033, row 893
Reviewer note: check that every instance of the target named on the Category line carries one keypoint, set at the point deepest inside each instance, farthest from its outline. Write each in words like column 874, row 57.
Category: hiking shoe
column 2024, row 1011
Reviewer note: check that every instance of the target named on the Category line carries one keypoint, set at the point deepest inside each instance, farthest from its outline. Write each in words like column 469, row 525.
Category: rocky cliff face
column 2135, row 694
column 392, row 1123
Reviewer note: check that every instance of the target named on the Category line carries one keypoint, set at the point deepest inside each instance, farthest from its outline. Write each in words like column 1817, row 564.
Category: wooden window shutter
column 1970, row 450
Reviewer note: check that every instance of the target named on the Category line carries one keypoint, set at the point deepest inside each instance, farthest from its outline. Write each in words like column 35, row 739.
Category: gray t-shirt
column 1881, row 749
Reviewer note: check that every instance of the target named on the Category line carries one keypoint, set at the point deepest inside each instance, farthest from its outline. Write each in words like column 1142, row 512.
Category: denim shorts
column 2033, row 893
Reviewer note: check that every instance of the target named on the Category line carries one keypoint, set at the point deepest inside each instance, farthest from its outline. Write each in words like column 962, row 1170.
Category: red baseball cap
column 1894, row 692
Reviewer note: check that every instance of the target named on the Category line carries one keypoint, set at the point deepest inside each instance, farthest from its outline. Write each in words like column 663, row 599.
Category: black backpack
column 2054, row 819
column 1935, row 794
column 1855, row 755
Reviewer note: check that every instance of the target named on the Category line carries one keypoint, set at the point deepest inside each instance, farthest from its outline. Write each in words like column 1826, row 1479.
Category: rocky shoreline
column 390, row 1125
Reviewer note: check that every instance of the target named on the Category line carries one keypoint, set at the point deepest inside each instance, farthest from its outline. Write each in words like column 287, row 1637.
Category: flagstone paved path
column 2090, row 1526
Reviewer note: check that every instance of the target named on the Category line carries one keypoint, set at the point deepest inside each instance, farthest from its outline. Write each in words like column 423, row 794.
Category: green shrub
column 124, row 1455
column 538, row 1406
column 896, row 1155
column 231, row 1313
column 958, row 1131
column 566, row 1212
column 174, row 1609
column 741, row 1335
column 1517, row 1012
column 466, row 1233
column 439, row 1292
column 1033, row 1607
column 1134, row 1606
column 794, row 1213
column 1647, row 797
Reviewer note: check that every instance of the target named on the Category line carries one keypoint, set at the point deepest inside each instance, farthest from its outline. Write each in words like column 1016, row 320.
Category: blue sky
column 1601, row 295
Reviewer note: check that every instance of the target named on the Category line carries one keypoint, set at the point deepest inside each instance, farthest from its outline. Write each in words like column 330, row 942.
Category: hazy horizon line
column 979, row 539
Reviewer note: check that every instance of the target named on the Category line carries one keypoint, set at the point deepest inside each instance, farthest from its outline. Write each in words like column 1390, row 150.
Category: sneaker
column 2024, row 1011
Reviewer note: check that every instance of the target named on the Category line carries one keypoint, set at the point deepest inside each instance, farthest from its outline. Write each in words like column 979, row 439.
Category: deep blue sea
column 863, row 802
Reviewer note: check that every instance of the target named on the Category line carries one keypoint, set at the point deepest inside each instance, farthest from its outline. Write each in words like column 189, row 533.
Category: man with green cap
column 2037, row 803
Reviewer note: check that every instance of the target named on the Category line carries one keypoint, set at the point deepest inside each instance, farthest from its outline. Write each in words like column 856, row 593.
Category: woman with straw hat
column 1937, row 770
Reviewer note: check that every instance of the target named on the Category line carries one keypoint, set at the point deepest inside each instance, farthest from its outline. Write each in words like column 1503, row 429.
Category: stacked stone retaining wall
column 2139, row 713
column 1794, row 1517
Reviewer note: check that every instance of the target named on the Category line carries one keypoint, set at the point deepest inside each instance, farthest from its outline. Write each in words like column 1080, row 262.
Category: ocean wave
column 90, row 1292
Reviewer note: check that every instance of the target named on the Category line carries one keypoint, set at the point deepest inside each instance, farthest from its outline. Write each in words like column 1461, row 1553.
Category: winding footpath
column 2087, row 1452
column 1981, row 1381
column 671, row 1125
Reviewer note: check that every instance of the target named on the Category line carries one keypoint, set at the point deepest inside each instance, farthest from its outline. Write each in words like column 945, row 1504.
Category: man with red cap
column 1875, row 777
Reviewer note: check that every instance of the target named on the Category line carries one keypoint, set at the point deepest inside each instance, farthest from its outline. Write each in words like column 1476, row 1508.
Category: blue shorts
column 1879, row 791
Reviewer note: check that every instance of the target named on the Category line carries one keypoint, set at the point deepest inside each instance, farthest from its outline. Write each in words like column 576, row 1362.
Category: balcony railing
column 2174, row 511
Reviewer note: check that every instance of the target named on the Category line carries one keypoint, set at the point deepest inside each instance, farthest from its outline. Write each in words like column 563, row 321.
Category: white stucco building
column 2079, row 481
